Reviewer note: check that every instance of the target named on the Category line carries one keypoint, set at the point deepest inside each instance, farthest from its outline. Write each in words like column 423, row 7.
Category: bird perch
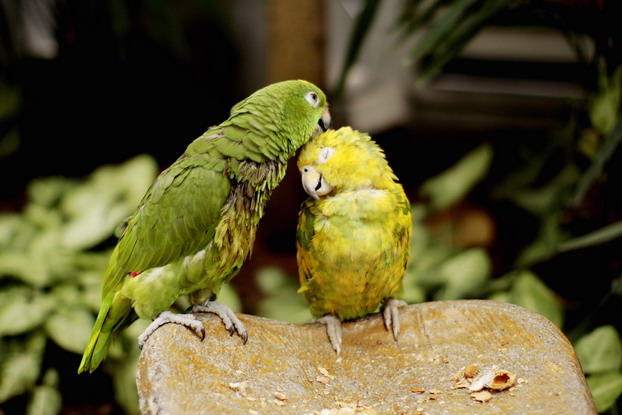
column 458, row 357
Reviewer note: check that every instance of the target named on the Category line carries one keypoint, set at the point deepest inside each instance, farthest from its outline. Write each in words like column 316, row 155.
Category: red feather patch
column 135, row 274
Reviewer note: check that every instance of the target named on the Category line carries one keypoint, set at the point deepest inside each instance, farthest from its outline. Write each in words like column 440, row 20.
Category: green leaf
column 122, row 363
column 20, row 366
column 124, row 381
column 91, row 284
column 605, row 105
column 92, row 261
column 46, row 192
column 9, row 225
column 9, row 142
column 530, row 292
column 229, row 297
column 413, row 293
column 11, row 100
column 545, row 198
column 501, row 296
column 423, row 269
column 271, row 279
column 23, row 309
column 43, row 217
column 612, row 140
column 67, row 294
column 58, row 262
column 93, row 225
column 547, row 243
column 126, row 344
column 420, row 238
column 464, row 274
column 600, row 350
column 281, row 302
column 442, row 27
column 108, row 196
column 22, row 266
column 605, row 388
column 20, row 237
column 452, row 185
column 458, row 36
column 602, row 235
column 70, row 328
column 46, row 398
column 357, row 37
column 413, row 18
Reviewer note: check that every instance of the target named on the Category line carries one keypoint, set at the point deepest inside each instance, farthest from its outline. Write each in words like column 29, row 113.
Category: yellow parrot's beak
column 313, row 182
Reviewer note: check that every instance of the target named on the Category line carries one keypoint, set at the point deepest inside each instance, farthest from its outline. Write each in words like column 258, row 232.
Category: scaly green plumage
column 354, row 231
column 196, row 224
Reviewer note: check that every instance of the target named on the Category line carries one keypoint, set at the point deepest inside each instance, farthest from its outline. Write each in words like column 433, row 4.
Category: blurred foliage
column 445, row 27
column 281, row 302
column 53, row 256
column 600, row 353
column 448, row 188
column 51, row 268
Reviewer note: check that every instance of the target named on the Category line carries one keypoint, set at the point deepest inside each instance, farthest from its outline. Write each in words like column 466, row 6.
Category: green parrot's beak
column 324, row 123
column 313, row 182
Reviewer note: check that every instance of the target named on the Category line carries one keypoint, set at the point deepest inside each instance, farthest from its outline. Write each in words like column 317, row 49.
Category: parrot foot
column 391, row 315
column 165, row 317
column 333, row 330
column 229, row 319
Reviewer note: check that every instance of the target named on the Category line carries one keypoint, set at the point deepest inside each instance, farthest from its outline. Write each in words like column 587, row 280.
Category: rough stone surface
column 290, row 368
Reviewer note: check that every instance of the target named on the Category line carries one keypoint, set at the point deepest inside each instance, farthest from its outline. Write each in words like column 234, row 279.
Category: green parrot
column 196, row 225
column 353, row 234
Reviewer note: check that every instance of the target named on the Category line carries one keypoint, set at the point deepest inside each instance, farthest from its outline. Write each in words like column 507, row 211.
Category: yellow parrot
column 353, row 232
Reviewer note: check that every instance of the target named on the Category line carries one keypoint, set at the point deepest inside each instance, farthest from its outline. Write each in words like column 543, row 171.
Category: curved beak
column 324, row 123
column 313, row 182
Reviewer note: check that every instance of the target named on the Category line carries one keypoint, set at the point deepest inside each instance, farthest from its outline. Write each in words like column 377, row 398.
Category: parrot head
column 342, row 160
column 297, row 108
column 306, row 102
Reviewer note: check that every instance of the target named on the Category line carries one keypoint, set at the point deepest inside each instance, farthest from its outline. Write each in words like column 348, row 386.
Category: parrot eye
column 325, row 154
column 313, row 99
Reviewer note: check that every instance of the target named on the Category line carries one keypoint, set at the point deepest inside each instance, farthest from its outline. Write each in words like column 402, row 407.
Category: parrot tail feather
column 98, row 343
column 115, row 312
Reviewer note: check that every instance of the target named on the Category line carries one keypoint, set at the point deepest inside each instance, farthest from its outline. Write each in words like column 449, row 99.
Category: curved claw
column 391, row 315
column 229, row 319
column 244, row 337
column 333, row 330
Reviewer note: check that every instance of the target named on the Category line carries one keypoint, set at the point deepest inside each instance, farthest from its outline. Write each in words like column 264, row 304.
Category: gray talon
column 229, row 319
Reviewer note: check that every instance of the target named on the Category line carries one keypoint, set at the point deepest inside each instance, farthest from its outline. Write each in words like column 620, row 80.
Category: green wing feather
column 176, row 218
column 304, row 236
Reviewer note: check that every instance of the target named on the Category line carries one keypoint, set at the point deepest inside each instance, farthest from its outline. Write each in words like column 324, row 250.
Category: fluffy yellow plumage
column 353, row 232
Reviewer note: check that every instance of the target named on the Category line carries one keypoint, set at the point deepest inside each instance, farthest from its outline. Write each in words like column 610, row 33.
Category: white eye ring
column 313, row 98
column 325, row 154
